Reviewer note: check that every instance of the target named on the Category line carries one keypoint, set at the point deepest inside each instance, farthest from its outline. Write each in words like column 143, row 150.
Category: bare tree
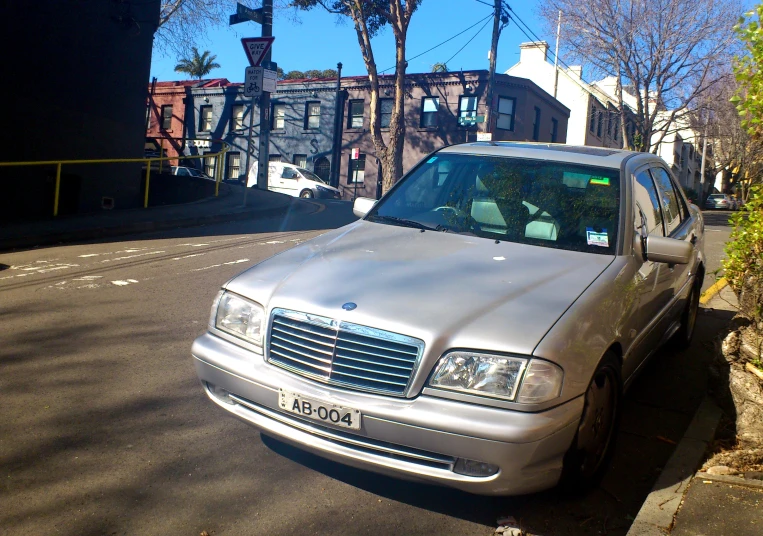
column 368, row 17
column 664, row 53
column 183, row 22
column 734, row 151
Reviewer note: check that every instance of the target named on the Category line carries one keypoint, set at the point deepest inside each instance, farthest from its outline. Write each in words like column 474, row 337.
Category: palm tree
column 439, row 68
column 197, row 66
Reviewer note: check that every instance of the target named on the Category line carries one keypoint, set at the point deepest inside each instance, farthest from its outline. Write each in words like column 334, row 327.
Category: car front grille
column 341, row 353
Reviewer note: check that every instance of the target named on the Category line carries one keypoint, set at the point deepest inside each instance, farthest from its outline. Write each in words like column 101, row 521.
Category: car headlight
column 498, row 376
column 239, row 317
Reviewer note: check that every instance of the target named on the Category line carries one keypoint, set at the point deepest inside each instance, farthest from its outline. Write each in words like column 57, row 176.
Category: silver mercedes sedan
column 477, row 327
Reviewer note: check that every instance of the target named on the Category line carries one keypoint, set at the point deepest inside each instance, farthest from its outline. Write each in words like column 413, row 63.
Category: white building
column 594, row 120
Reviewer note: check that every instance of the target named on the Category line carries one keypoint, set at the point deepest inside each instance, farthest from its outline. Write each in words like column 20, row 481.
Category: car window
column 306, row 173
column 668, row 198
column 183, row 172
column 547, row 203
column 289, row 173
column 647, row 204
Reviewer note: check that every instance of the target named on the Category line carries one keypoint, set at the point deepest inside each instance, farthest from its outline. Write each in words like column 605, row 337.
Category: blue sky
column 316, row 41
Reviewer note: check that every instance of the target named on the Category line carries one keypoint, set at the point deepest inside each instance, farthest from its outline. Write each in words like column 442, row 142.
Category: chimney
column 533, row 52
column 576, row 70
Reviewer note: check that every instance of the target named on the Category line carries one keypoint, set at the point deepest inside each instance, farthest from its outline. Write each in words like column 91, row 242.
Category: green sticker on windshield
column 432, row 160
column 601, row 181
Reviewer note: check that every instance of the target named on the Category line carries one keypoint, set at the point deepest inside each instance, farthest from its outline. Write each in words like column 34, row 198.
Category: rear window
column 538, row 202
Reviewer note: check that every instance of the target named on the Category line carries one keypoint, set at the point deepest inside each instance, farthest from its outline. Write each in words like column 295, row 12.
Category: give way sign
column 256, row 48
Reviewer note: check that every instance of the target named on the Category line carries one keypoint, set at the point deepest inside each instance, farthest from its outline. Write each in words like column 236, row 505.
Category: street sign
column 246, row 14
column 269, row 80
column 253, row 81
column 256, row 48
column 355, row 153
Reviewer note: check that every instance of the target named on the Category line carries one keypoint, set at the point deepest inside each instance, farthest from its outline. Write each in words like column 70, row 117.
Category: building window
column 312, row 115
column 300, row 160
column 599, row 124
column 467, row 110
column 209, row 164
column 554, row 130
column 506, row 113
column 234, row 165
column 536, row 125
column 205, row 124
column 357, row 170
column 616, row 121
column 237, row 117
column 279, row 117
column 274, row 158
column 322, row 168
column 592, row 123
column 386, row 111
column 167, row 117
column 355, row 117
column 429, row 108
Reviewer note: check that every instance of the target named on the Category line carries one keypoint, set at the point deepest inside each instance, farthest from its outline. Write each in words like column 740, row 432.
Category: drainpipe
column 336, row 149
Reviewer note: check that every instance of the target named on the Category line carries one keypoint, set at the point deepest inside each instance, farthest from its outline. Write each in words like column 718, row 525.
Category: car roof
column 574, row 154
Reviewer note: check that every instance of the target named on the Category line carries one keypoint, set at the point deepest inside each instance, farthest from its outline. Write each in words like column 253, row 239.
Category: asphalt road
column 104, row 428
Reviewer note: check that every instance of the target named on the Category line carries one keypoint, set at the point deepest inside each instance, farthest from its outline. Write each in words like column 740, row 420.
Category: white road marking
column 218, row 265
column 275, row 242
column 90, row 255
column 188, row 256
column 133, row 256
column 87, row 278
column 122, row 283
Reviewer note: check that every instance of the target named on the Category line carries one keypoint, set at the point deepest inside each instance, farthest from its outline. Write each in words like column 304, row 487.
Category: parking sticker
column 596, row 238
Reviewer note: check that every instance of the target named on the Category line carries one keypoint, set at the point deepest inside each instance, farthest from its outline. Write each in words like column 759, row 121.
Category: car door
column 680, row 225
column 651, row 280
column 289, row 181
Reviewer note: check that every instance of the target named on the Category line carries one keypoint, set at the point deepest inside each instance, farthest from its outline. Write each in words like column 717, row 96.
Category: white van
column 293, row 180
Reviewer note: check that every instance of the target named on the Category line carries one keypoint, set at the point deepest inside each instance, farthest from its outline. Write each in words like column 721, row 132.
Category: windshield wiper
column 394, row 220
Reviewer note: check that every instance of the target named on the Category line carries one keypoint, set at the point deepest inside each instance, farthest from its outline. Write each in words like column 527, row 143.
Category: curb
column 135, row 228
column 713, row 290
column 729, row 479
column 661, row 505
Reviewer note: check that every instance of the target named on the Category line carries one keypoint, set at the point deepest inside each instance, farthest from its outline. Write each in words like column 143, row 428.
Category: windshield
column 717, row 196
column 539, row 202
column 310, row 175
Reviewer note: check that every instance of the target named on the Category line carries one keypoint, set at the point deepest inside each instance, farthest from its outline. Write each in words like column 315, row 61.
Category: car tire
column 306, row 194
column 588, row 457
column 681, row 339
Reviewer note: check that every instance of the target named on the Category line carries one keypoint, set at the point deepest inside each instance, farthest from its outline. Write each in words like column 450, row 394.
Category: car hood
column 447, row 289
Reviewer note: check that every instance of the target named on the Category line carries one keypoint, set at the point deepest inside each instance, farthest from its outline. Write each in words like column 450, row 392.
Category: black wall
column 73, row 87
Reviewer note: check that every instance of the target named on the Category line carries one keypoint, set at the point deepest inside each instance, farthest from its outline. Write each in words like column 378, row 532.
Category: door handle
column 693, row 240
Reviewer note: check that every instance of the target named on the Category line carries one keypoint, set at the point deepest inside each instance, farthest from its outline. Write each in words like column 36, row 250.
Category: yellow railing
column 60, row 163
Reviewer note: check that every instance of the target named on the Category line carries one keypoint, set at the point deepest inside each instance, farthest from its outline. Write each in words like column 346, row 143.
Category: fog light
column 220, row 394
column 474, row 468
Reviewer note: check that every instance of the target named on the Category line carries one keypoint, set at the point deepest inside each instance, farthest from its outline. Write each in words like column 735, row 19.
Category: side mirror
column 362, row 206
column 668, row 250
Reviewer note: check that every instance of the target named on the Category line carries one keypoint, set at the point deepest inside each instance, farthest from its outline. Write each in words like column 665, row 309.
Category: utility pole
column 556, row 53
column 336, row 148
column 701, row 199
column 491, row 74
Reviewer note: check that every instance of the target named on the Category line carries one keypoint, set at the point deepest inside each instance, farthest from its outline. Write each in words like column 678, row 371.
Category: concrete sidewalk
column 685, row 502
column 109, row 223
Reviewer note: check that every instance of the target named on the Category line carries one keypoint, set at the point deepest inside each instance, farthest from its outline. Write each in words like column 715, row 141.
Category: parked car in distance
column 720, row 202
column 501, row 298
column 293, row 180
column 185, row 171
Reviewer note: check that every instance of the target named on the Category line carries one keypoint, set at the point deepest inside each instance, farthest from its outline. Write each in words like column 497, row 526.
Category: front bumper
column 416, row 439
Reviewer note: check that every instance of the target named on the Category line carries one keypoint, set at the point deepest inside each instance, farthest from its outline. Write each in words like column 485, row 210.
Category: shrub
column 743, row 265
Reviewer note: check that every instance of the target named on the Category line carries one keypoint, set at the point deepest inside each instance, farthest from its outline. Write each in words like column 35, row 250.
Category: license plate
column 319, row 411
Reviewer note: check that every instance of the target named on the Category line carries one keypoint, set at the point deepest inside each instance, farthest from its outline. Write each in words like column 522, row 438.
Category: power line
column 440, row 44
column 481, row 2
column 469, row 41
